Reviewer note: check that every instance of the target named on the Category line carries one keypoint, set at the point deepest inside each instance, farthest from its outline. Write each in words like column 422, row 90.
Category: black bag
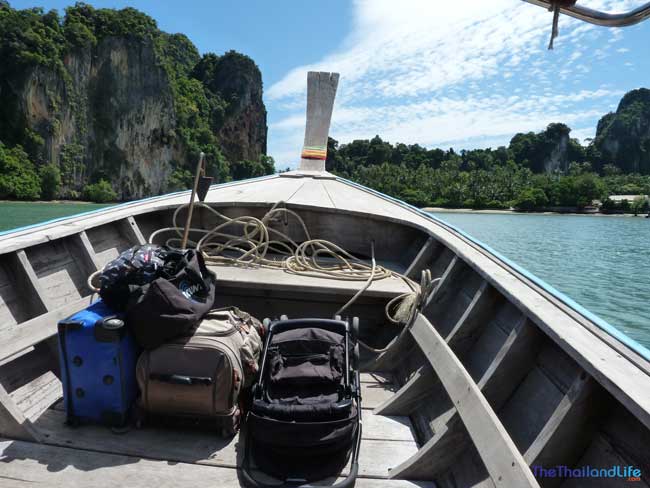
column 173, row 303
column 129, row 271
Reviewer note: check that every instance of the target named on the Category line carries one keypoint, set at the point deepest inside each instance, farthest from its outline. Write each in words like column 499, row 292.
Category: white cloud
column 446, row 72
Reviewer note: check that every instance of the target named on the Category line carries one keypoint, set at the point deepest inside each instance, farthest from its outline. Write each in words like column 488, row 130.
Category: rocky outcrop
column 549, row 151
column 123, row 106
column 112, row 118
column 239, row 82
column 623, row 138
column 556, row 158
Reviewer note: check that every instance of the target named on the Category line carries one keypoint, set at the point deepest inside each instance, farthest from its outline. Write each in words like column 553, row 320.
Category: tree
column 639, row 204
column 242, row 170
column 531, row 199
column 50, row 182
column 18, row 177
column 624, row 205
column 588, row 187
column 100, row 192
column 180, row 179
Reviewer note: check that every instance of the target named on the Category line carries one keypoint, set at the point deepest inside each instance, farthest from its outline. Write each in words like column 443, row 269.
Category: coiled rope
column 260, row 245
column 312, row 257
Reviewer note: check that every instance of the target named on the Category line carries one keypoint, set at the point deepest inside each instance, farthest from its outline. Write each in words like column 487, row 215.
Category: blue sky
column 468, row 73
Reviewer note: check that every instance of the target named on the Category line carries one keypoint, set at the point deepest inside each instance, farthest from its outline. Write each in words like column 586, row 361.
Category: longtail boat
column 495, row 378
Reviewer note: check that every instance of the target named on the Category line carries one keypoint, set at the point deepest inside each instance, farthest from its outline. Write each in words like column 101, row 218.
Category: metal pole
column 190, row 209
column 597, row 17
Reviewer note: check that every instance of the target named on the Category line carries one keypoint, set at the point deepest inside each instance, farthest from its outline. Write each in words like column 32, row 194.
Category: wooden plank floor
column 183, row 456
column 24, row 464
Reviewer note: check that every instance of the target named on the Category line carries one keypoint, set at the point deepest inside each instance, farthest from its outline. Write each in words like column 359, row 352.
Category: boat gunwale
column 551, row 292
column 21, row 231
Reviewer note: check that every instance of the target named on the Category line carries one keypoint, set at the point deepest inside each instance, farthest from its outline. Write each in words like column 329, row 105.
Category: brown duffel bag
column 201, row 376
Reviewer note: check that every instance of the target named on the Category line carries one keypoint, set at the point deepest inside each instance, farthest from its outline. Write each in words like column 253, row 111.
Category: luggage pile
column 153, row 349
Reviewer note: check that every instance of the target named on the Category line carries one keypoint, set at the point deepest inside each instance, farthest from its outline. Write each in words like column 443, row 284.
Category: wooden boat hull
column 498, row 376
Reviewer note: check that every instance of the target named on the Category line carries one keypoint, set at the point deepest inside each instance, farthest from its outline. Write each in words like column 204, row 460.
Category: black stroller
column 305, row 417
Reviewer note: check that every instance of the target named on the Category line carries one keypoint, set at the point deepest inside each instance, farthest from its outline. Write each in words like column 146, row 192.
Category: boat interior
column 492, row 380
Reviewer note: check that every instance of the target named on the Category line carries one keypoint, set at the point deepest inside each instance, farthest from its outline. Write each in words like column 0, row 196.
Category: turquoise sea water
column 19, row 214
column 603, row 263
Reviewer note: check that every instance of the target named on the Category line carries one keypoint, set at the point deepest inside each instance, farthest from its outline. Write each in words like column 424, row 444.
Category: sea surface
column 603, row 263
column 19, row 214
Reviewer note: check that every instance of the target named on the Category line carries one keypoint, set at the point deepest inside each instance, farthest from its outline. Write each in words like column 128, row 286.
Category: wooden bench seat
column 280, row 280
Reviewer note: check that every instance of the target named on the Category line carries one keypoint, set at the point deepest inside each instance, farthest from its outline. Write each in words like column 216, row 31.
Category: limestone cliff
column 623, row 137
column 111, row 97
column 549, row 151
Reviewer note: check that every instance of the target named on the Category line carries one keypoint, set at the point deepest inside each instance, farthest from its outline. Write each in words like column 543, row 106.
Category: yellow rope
column 258, row 238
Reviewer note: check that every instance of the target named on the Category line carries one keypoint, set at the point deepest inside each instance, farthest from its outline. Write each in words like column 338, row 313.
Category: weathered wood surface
column 498, row 452
column 87, row 253
column 420, row 259
column 134, row 229
column 374, row 394
column 35, row 397
column 13, row 423
column 386, row 441
column 35, row 296
column 321, row 91
column 445, row 282
column 37, row 329
column 25, row 464
column 407, row 398
column 280, row 280
column 459, row 338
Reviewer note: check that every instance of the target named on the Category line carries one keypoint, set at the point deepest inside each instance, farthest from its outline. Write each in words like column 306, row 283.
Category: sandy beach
column 508, row 212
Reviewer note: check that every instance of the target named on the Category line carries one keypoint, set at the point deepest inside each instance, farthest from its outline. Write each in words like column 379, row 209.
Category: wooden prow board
column 321, row 91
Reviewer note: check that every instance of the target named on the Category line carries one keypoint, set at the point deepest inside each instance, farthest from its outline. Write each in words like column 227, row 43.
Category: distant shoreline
column 514, row 212
column 81, row 202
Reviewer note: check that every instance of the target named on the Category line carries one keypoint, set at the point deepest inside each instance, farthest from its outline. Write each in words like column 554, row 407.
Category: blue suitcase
column 98, row 357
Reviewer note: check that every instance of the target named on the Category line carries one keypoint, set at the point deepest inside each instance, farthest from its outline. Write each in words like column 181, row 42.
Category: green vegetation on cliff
column 623, row 137
column 75, row 69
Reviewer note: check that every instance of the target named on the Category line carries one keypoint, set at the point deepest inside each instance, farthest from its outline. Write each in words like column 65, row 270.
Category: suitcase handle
column 178, row 379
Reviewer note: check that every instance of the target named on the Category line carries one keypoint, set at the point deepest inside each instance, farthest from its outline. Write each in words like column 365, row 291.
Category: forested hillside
column 536, row 170
column 100, row 104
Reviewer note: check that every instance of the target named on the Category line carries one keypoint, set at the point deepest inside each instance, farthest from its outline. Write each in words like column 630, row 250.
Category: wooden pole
column 321, row 90
column 190, row 209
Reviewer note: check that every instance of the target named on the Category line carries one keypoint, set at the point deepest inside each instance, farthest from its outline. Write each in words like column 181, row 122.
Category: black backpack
column 164, row 292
